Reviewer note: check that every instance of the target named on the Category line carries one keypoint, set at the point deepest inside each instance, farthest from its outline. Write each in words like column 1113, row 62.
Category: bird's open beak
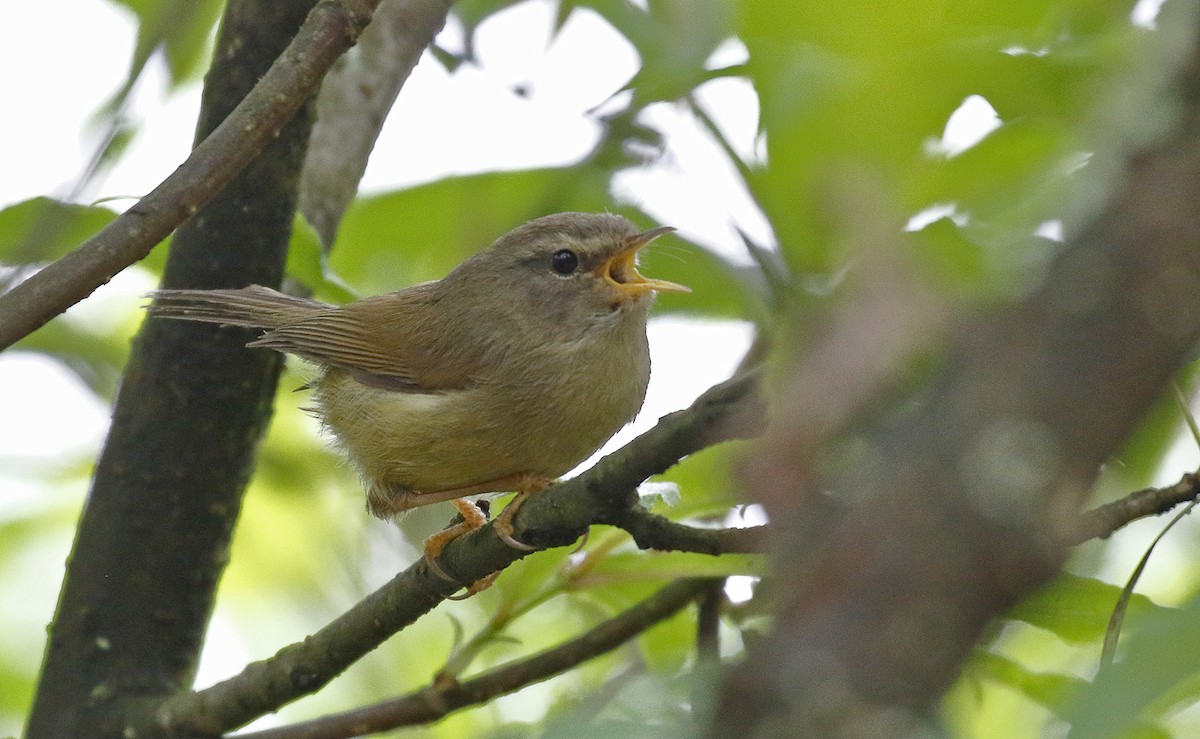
column 621, row 270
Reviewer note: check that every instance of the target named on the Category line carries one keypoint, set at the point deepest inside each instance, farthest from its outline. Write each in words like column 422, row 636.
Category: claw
column 504, row 534
column 473, row 518
column 503, row 524
column 583, row 540
column 478, row 586
column 435, row 568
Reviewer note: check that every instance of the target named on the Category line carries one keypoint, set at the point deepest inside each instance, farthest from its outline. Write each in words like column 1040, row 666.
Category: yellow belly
column 424, row 443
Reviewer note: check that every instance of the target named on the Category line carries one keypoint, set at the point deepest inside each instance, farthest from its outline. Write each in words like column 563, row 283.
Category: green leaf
column 953, row 260
column 705, row 482
column 979, row 262
column 1077, row 608
column 97, row 359
column 528, row 578
column 1059, row 83
column 399, row 238
column 998, row 168
column 1160, row 665
column 306, row 263
column 42, row 229
column 181, row 28
column 667, row 645
column 1054, row 691
column 674, row 40
column 1049, row 689
column 1117, row 621
column 860, row 86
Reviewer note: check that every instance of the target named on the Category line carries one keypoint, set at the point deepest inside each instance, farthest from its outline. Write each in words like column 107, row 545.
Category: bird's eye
column 564, row 261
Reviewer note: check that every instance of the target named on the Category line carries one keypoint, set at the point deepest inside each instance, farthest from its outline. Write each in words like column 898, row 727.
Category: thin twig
column 330, row 29
column 1101, row 522
column 651, row 531
column 722, row 141
column 438, row 700
column 708, row 623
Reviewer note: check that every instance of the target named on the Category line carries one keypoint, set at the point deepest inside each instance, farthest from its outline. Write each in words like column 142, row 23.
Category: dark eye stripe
column 564, row 261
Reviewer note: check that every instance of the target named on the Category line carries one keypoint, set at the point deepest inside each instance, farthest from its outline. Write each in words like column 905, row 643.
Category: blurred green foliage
column 462, row 215
column 42, row 229
column 849, row 93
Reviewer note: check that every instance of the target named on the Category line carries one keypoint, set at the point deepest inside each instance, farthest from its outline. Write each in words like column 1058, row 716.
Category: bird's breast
column 543, row 412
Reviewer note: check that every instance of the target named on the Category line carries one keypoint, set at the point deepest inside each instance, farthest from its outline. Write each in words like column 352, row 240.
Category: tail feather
column 253, row 307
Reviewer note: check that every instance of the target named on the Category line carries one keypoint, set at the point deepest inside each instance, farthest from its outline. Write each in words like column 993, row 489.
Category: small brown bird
column 502, row 376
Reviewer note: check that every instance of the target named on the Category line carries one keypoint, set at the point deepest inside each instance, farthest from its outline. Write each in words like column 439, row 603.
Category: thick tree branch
column 438, row 700
column 553, row 517
column 330, row 29
column 355, row 99
column 154, row 535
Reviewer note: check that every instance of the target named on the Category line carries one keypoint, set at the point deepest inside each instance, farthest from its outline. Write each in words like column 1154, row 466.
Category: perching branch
column 731, row 410
column 437, row 700
column 331, row 28
column 554, row 517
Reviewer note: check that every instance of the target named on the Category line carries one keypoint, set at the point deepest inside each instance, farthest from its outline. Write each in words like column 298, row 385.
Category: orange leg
column 473, row 518
column 525, row 483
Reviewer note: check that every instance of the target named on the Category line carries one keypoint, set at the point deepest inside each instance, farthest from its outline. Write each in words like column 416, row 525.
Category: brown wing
column 397, row 341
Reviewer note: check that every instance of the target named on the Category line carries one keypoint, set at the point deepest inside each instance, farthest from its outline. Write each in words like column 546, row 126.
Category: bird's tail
column 253, row 307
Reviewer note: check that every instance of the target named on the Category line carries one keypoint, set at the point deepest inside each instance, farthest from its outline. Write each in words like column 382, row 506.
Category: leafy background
column 851, row 101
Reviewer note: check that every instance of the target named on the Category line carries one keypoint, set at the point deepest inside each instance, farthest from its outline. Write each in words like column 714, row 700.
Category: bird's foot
column 473, row 518
column 503, row 526
column 525, row 483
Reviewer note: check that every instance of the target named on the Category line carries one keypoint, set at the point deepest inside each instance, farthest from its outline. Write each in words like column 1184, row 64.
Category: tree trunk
column 193, row 404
